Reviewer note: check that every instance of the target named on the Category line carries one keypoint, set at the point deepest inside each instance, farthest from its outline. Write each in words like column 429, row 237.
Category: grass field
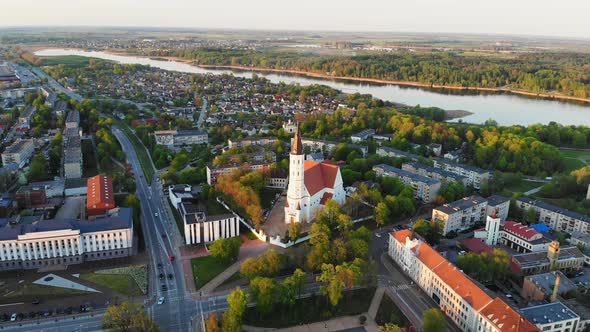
column 523, row 186
column 207, row 268
column 68, row 60
column 575, row 159
column 142, row 155
column 120, row 283
column 29, row 292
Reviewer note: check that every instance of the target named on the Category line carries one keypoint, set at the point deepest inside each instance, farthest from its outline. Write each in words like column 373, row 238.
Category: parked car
column 37, row 301
column 13, row 317
column 170, row 276
column 164, row 288
column 161, row 300
column 172, row 258
column 161, row 276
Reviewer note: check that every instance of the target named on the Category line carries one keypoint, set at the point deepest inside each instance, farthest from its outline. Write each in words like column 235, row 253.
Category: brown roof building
column 100, row 197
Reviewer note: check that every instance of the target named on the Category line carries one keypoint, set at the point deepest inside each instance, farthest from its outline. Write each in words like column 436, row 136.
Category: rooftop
column 440, row 171
column 522, row 231
column 505, row 318
column 554, row 208
column 462, row 204
column 404, row 173
column 463, row 166
column 18, row 145
column 546, row 282
column 399, row 152
column 548, row 313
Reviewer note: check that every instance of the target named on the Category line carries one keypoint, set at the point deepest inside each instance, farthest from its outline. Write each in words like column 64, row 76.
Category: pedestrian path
column 376, row 302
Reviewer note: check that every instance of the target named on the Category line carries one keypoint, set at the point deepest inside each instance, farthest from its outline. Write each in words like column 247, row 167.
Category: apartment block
column 425, row 188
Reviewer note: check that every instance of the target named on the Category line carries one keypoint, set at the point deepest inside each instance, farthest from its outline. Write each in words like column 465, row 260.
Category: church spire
column 297, row 147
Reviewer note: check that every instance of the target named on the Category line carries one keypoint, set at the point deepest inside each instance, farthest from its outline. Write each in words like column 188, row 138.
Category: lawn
column 207, row 268
column 142, row 155
column 68, row 60
column 575, row 159
column 29, row 292
column 523, row 186
column 311, row 309
column 89, row 159
column 120, row 283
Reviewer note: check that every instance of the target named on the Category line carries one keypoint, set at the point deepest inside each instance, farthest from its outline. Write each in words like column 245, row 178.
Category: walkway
column 336, row 324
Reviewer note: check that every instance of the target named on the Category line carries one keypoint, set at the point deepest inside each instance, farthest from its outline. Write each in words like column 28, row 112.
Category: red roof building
column 100, row 197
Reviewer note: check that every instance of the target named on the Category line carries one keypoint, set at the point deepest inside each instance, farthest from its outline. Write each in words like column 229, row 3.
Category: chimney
column 555, row 288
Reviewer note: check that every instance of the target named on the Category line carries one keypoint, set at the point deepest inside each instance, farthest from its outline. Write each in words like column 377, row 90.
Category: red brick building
column 30, row 196
column 100, row 197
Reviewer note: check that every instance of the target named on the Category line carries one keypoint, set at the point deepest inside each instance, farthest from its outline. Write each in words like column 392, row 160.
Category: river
column 506, row 109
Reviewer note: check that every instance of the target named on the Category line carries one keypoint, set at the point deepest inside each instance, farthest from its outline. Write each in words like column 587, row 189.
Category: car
column 156, row 214
column 462, row 252
column 37, row 301
column 161, row 276
column 170, row 276
column 161, row 300
column 377, row 235
column 159, row 265
column 164, row 236
column 508, row 295
column 172, row 258
column 13, row 317
column 164, row 288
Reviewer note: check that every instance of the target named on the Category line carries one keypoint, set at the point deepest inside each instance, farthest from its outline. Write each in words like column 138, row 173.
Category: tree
column 38, row 169
column 294, row 231
column 291, row 287
column 232, row 318
column 263, row 289
column 388, row 327
column 128, row 317
column 212, row 323
column 433, row 320
column 382, row 214
column 267, row 265
column 226, row 249
column 338, row 278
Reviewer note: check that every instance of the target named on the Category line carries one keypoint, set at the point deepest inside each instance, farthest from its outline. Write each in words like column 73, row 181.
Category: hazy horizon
column 502, row 17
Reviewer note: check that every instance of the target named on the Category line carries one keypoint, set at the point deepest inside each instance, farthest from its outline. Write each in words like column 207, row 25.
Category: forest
column 565, row 73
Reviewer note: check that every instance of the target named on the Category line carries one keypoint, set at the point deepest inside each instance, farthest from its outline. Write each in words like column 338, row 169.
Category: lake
column 506, row 109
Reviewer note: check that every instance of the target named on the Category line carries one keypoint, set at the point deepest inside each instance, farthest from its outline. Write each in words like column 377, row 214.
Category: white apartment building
column 468, row 211
column 19, row 152
column 460, row 298
column 180, row 137
column 201, row 228
column 475, row 175
column 386, row 151
column 557, row 218
column 66, row 242
column 425, row 188
column 434, row 173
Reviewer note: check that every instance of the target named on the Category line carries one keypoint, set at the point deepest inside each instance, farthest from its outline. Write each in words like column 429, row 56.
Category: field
column 575, row 159
column 523, row 186
column 28, row 292
column 120, row 283
column 68, row 60
column 207, row 268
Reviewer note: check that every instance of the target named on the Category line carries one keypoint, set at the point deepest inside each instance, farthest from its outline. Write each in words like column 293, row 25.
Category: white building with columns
column 66, row 242
column 311, row 185
column 202, row 228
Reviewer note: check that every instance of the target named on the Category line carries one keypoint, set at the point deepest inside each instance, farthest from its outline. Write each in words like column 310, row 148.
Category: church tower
column 296, row 189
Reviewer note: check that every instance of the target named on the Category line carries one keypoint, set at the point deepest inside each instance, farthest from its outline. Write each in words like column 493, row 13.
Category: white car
column 156, row 214
column 13, row 317
column 161, row 300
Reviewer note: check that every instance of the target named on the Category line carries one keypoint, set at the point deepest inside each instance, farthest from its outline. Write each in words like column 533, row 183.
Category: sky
column 568, row 18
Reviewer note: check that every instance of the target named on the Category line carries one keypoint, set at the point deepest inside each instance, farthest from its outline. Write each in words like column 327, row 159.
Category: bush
column 362, row 319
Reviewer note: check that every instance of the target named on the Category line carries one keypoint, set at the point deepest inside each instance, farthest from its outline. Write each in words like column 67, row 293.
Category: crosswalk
column 402, row 287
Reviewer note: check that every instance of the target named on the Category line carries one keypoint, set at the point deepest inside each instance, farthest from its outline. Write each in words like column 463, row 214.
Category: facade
column 462, row 214
column 73, row 119
column 552, row 317
column 555, row 217
column 24, row 120
column 434, row 173
column 499, row 206
column 475, row 175
column 30, row 196
column 540, row 287
column 66, row 242
column 72, row 158
column 180, row 137
column 424, row 187
column 99, row 197
column 262, row 141
column 180, row 193
column 386, row 151
column 320, row 145
column 460, row 298
column 311, row 185
column 201, row 228
column 556, row 258
column 18, row 153
column 362, row 136
column 213, row 172
column 522, row 238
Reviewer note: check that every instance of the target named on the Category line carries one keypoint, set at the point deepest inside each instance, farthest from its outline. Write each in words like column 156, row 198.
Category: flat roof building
column 554, row 317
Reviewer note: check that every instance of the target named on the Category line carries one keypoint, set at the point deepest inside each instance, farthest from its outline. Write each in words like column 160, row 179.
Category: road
column 203, row 113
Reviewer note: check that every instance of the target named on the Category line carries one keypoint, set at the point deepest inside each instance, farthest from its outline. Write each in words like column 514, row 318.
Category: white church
column 311, row 185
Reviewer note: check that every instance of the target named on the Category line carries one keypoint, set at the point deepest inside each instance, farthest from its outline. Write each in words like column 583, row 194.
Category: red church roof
column 319, row 176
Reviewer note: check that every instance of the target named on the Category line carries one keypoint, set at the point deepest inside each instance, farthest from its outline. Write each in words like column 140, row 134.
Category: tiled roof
column 505, row 318
column 462, row 285
column 319, row 176
column 100, row 192
column 521, row 230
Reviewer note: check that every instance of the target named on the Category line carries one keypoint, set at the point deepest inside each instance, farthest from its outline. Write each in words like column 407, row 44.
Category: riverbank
column 401, row 83
column 507, row 90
